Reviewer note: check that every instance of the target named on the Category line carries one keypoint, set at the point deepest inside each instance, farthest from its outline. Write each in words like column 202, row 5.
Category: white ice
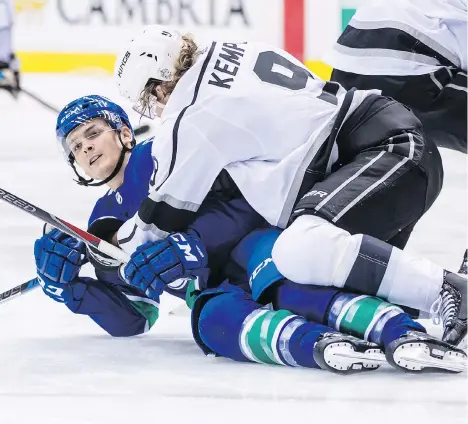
column 57, row 367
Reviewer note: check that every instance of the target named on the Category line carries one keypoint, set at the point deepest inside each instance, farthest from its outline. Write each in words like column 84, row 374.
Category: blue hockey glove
column 154, row 265
column 58, row 261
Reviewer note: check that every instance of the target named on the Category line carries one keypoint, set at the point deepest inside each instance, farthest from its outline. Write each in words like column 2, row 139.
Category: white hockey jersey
column 403, row 37
column 251, row 109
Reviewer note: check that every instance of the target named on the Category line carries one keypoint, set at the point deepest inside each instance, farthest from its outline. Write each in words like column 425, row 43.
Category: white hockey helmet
column 151, row 54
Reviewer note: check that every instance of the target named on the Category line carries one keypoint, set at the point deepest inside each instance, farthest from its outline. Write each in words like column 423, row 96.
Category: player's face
column 97, row 148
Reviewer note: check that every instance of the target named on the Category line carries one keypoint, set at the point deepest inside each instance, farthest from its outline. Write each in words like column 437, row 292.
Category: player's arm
column 117, row 309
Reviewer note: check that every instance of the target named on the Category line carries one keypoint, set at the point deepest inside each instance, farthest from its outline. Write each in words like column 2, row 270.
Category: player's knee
column 220, row 323
column 313, row 251
column 308, row 301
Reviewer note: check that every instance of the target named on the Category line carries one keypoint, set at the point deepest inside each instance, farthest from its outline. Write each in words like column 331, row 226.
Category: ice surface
column 57, row 367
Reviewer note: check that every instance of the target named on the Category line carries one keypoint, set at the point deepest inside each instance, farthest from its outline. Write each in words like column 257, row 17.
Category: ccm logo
column 123, row 63
column 17, row 202
column 185, row 247
column 258, row 269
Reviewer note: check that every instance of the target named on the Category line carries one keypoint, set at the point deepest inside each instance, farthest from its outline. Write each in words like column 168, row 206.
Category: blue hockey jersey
column 222, row 221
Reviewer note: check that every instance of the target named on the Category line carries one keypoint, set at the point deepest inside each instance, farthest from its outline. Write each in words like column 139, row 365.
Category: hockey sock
column 370, row 318
column 236, row 327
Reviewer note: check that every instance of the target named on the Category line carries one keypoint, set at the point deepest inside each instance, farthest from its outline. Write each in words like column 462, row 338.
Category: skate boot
column 450, row 307
column 343, row 354
column 419, row 352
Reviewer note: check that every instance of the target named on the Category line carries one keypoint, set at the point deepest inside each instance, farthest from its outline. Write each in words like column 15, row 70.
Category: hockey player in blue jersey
column 232, row 310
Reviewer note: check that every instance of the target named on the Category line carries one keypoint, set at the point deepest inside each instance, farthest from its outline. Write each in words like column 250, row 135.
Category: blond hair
column 189, row 54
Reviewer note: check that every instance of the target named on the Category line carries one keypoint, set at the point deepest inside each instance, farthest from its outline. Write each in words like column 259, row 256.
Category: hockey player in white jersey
column 346, row 172
column 416, row 52
column 9, row 65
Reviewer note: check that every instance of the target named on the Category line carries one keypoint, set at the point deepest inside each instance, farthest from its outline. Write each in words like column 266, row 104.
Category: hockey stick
column 137, row 131
column 19, row 290
column 62, row 225
column 93, row 241
column 39, row 100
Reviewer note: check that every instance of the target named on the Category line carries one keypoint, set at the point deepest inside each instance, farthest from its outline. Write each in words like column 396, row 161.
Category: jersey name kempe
column 227, row 64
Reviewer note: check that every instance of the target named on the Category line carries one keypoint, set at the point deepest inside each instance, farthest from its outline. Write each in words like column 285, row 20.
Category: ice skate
column 419, row 352
column 450, row 308
column 343, row 354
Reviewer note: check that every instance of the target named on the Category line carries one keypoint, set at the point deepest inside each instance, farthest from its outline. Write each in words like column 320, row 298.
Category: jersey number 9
column 275, row 69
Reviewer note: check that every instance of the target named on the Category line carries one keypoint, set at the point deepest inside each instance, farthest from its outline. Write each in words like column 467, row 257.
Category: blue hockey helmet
column 85, row 108
column 82, row 110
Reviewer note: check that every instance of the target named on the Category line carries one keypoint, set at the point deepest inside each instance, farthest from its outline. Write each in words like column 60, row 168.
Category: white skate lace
column 445, row 307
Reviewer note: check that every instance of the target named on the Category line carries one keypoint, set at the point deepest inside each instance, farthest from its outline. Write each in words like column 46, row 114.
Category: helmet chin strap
column 89, row 183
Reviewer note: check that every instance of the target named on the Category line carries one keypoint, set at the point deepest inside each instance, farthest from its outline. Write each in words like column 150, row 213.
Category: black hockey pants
column 387, row 174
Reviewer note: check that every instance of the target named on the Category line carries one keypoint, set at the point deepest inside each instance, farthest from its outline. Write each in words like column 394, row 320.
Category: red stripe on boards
column 294, row 27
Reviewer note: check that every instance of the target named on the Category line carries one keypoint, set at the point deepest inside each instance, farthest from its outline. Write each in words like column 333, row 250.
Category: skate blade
column 377, row 358
column 417, row 357
column 342, row 356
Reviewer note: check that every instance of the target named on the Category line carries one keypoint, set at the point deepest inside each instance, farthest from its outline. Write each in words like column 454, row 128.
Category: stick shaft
column 17, row 291
column 66, row 227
